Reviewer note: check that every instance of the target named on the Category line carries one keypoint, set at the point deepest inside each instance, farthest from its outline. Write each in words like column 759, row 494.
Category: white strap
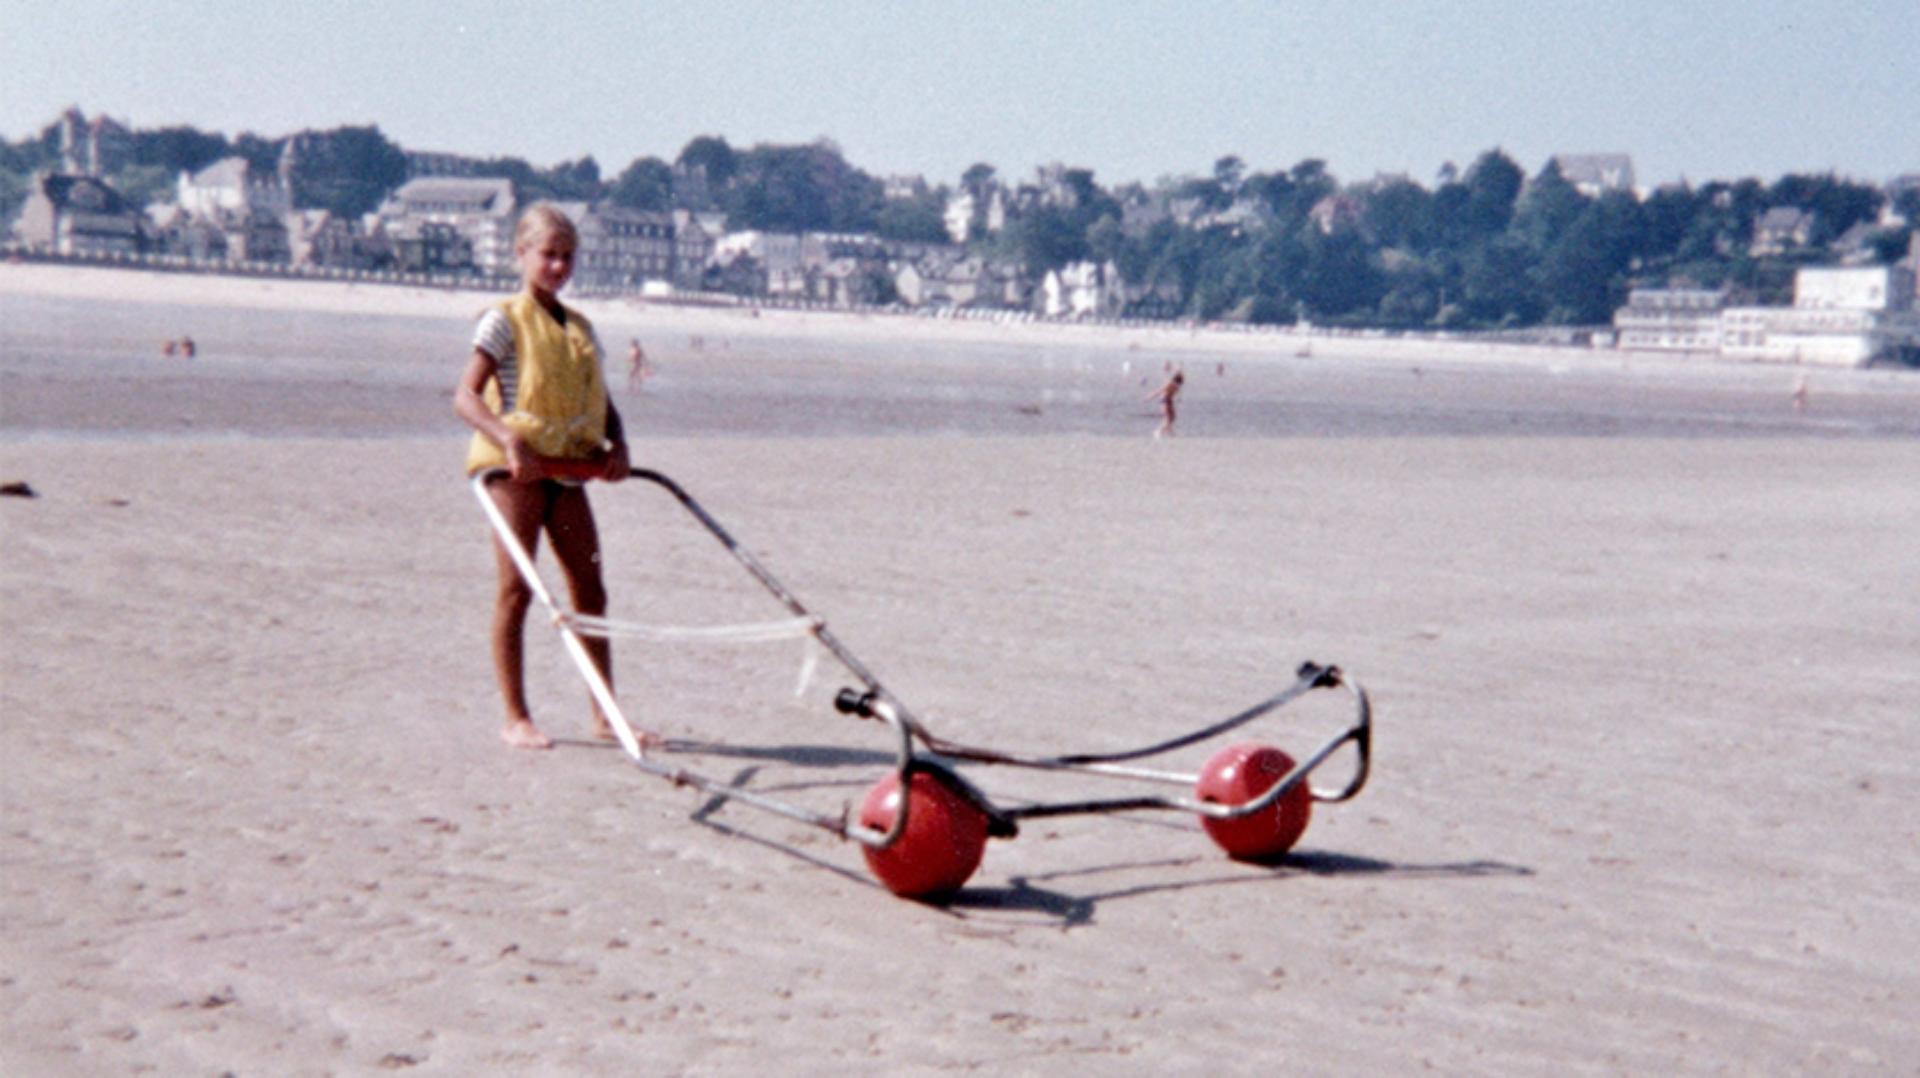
column 759, row 632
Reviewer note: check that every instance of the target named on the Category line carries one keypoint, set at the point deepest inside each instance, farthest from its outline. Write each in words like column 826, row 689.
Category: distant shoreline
column 205, row 287
column 638, row 315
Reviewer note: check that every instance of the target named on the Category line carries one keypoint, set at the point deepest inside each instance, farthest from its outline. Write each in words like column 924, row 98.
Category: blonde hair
column 543, row 219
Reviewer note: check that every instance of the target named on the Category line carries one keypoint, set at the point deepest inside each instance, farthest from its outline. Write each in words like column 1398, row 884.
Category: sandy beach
column 1642, row 643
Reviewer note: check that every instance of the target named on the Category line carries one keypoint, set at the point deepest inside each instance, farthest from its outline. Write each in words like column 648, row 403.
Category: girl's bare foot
column 603, row 731
column 523, row 734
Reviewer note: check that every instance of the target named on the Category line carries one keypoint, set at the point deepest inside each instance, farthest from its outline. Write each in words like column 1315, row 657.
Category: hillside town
column 448, row 222
column 443, row 223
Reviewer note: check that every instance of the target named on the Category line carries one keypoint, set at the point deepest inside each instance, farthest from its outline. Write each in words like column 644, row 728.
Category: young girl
column 535, row 394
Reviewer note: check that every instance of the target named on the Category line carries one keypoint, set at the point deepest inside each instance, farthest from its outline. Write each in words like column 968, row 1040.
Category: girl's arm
column 619, row 465
column 470, row 406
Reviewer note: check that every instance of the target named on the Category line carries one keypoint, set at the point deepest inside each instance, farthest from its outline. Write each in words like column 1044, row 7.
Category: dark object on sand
column 18, row 490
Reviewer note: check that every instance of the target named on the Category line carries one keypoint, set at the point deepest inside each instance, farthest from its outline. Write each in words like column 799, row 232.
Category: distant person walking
column 1166, row 395
column 1799, row 395
column 638, row 370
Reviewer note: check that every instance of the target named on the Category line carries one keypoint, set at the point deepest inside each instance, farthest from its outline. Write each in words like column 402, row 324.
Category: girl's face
column 546, row 262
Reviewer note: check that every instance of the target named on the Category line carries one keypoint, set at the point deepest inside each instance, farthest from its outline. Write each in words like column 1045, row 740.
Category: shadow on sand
column 797, row 755
column 1044, row 894
column 1028, row 894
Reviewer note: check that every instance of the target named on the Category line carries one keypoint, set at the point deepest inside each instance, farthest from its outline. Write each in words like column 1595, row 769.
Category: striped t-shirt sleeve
column 494, row 336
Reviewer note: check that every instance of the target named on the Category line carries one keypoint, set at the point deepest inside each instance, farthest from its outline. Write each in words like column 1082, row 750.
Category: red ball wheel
column 1238, row 774
column 945, row 835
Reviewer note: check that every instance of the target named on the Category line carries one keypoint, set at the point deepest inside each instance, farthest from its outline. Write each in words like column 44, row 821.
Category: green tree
column 1276, row 190
column 142, row 185
column 645, row 184
column 801, row 188
column 1497, row 284
column 1493, row 183
column 13, row 192
column 1186, row 260
column 1043, row 240
column 1139, row 258
column 1546, row 208
column 1106, row 240
column 1665, row 217
column 977, row 179
column 1398, row 214
column 1410, row 288
column 1228, row 172
column 1268, row 274
column 1206, row 190
column 1836, row 204
column 262, row 154
column 1722, row 224
column 570, row 181
column 1292, row 194
column 1448, row 226
column 1907, row 204
column 1891, row 244
column 1210, row 257
column 1085, row 191
column 1339, row 277
column 712, row 154
column 917, row 219
column 178, row 149
column 347, row 170
column 1583, row 275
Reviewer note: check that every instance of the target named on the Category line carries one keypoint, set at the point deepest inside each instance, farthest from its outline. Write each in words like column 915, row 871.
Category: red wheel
column 945, row 836
column 1238, row 774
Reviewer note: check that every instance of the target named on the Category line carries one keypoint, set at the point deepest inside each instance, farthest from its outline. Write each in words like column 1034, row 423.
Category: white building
column 1083, row 290
column 694, row 237
column 776, row 255
column 230, row 186
column 1594, row 174
column 78, row 215
column 1839, row 317
column 965, row 217
column 1671, row 319
column 482, row 211
column 620, row 248
column 959, row 216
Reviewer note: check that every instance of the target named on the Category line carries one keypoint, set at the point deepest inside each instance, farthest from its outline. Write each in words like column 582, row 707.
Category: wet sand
column 1646, row 691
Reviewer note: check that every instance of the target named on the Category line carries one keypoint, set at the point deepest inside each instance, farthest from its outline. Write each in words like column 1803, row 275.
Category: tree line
column 1489, row 246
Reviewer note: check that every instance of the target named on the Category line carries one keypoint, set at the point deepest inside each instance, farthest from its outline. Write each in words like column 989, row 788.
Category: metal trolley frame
column 916, row 748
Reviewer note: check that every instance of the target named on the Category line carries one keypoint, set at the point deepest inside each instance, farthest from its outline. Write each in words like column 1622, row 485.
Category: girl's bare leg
column 576, row 544
column 524, row 505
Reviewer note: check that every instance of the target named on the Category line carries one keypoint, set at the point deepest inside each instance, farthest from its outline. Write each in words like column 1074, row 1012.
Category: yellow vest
column 560, row 404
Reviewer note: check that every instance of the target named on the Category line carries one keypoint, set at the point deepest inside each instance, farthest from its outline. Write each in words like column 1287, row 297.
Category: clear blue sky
column 1705, row 89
